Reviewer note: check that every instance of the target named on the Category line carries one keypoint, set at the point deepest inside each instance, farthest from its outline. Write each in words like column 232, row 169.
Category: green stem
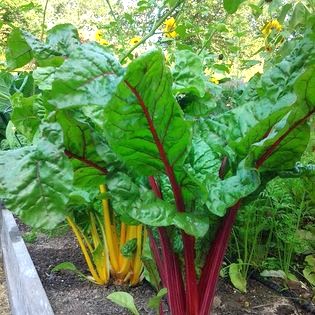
column 157, row 24
column 43, row 21
column 210, row 37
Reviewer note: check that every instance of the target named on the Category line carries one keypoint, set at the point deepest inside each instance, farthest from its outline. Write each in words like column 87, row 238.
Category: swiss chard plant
column 174, row 168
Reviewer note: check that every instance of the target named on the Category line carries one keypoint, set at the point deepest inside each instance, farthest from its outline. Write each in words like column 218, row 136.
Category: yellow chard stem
column 137, row 260
column 94, row 233
column 122, row 241
column 84, row 250
column 108, row 233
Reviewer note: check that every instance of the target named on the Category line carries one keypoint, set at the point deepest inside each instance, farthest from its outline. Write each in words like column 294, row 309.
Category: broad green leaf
column 292, row 146
column 6, row 80
column 237, row 277
column 44, row 77
column 155, row 301
column 125, row 300
column 63, row 38
column 22, row 47
column 199, row 106
column 188, row 74
column 39, row 182
column 143, row 122
column 81, row 144
column 231, row 6
column 288, row 87
column 284, row 11
column 18, row 52
column 24, row 115
column 299, row 15
column 134, row 200
column 96, row 76
column 14, row 140
column 225, row 193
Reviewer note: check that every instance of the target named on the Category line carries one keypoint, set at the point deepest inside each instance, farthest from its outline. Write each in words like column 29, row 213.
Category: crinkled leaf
column 199, row 106
column 134, row 200
column 24, row 115
column 188, row 74
column 81, row 144
column 14, row 139
column 63, row 38
column 44, row 77
column 22, row 47
column 39, row 182
column 288, row 87
column 97, row 73
column 129, row 248
column 6, row 80
column 225, row 193
column 143, row 121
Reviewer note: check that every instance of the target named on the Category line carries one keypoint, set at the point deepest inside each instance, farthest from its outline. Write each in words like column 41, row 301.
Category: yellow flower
column 99, row 38
column 214, row 80
column 135, row 40
column 169, row 28
column 271, row 25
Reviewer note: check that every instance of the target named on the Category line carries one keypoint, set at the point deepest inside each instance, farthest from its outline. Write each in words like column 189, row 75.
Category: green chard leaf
column 286, row 89
column 39, row 181
column 6, row 80
column 63, row 38
column 22, row 47
column 97, row 73
column 24, row 115
column 188, row 74
column 136, row 201
column 143, row 123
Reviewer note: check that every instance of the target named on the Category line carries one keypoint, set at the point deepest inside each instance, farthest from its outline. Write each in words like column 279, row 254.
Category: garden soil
column 72, row 296
column 4, row 304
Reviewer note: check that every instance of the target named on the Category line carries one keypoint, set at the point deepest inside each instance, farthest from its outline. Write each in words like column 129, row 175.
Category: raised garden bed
column 70, row 295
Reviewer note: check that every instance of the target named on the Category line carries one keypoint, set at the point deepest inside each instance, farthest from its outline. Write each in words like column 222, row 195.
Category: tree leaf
column 96, row 77
column 231, row 6
column 125, row 300
column 143, row 122
column 34, row 188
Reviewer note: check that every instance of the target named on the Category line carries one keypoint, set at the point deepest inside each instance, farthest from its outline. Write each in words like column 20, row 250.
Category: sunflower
column 99, row 38
column 169, row 28
column 135, row 40
column 271, row 25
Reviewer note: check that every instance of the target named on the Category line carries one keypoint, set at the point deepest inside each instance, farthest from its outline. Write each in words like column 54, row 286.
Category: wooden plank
column 25, row 290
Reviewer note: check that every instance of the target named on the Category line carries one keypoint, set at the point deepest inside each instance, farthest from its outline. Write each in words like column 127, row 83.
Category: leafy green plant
column 126, row 300
column 163, row 168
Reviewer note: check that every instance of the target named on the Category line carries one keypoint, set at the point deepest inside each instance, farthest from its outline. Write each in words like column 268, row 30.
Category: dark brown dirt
column 70, row 295
column 4, row 303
